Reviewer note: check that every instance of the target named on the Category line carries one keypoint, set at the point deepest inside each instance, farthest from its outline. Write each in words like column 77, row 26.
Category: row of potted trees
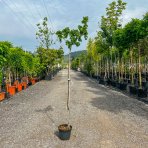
column 11, row 89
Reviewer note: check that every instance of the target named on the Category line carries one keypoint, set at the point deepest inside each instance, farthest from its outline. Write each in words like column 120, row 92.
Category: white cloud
column 20, row 23
column 133, row 13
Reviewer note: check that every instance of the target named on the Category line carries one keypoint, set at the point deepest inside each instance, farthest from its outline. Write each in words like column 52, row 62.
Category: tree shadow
column 56, row 133
column 112, row 100
column 116, row 102
column 45, row 111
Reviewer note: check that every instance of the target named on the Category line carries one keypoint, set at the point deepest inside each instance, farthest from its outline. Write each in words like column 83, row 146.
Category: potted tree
column 2, row 94
column 71, row 37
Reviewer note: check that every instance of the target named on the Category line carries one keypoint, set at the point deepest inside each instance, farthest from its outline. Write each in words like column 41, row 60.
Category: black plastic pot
column 64, row 131
column 142, row 93
column 113, row 83
column 122, row 86
column 118, row 85
column 108, row 82
column 129, row 81
column 133, row 90
column 101, row 81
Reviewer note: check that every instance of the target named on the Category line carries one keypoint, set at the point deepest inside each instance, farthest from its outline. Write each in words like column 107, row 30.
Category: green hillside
column 74, row 54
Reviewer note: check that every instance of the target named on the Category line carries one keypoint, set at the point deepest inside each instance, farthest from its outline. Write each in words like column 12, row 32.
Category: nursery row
column 10, row 89
column 125, row 85
column 16, row 64
column 118, row 55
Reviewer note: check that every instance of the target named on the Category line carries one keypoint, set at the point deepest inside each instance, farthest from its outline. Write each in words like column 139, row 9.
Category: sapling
column 73, row 37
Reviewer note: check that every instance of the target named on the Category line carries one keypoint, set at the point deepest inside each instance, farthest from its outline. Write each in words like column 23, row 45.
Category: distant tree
column 44, row 34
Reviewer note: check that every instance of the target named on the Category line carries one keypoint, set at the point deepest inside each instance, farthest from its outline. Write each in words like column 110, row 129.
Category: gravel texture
column 100, row 117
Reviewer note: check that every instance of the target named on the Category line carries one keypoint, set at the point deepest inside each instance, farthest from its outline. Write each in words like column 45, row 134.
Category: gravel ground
column 101, row 117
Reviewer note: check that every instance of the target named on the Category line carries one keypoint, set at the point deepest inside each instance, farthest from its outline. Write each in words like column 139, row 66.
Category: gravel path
column 101, row 117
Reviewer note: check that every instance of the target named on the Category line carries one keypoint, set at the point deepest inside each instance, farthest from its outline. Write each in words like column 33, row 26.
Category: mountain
column 74, row 54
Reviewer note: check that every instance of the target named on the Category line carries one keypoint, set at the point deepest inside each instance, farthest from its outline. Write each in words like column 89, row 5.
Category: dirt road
column 101, row 117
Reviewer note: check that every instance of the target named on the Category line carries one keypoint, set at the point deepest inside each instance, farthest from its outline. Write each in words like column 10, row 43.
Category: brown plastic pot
column 2, row 96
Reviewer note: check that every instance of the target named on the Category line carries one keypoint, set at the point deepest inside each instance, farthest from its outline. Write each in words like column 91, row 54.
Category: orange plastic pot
column 7, row 87
column 16, row 83
column 11, row 90
column 2, row 96
column 19, row 87
column 24, row 84
column 33, row 81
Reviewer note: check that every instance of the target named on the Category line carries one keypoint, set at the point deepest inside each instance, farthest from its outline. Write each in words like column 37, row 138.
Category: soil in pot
column 64, row 131
column 142, row 93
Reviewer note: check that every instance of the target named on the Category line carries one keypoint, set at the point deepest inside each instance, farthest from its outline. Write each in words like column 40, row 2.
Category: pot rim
column 65, row 125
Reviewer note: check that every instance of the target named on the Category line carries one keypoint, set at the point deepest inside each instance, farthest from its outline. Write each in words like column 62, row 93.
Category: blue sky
column 18, row 18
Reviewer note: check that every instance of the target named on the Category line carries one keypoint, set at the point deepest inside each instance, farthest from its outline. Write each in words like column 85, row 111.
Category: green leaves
column 44, row 34
column 74, row 36
column 110, row 23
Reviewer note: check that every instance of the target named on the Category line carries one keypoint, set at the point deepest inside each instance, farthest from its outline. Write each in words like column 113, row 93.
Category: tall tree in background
column 44, row 34
column 110, row 23
column 47, row 55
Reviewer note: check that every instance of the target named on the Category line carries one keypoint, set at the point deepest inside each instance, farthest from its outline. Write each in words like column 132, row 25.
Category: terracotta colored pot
column 24, row 84
column 16, row 83
column 19, row 87
column 7, row 87
column 2, row 96
column 11, row 90
column 33, row 81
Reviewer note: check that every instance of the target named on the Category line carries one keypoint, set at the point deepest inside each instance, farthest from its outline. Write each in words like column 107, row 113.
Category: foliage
column 74, row 36
column 44, row 34
column 111, row 22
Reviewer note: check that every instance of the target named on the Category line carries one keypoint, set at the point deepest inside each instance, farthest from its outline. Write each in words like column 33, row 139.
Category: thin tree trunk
column 140, row 79
column 115, row 66
column 68, row 81
column 112, row 64
column 132, row 67
column 119, row 68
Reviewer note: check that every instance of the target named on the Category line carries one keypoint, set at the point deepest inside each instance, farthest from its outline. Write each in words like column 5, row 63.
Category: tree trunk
column 119, row 68
column 115, row 66
column 68, row 81
column 132, row 67
column 140, row 78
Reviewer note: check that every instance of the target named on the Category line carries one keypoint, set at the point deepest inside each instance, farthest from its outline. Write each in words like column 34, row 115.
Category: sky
column 18, row 18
